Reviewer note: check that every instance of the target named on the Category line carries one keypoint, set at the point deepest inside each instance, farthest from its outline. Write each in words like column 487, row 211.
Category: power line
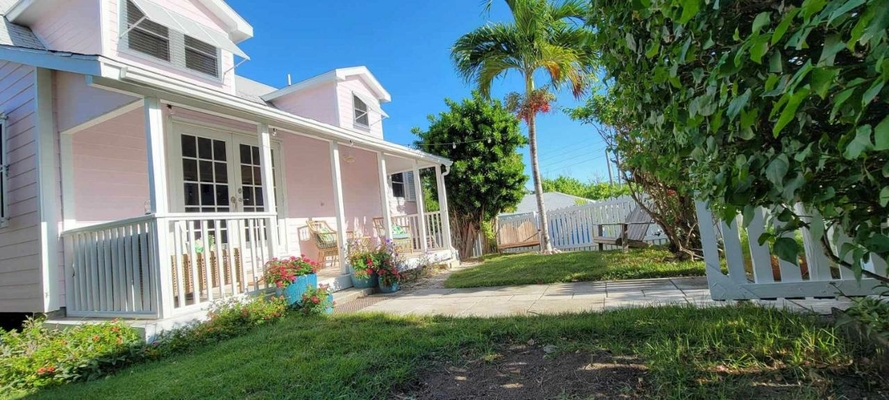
column 551, row 166
column 589, row 149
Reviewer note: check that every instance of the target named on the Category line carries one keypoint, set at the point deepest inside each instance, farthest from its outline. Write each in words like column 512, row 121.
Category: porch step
column 148, row 329
column 345, row 296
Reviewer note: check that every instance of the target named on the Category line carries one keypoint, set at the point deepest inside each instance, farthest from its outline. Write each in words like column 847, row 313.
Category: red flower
column 369, row 271
column 95, row 338
column 315, row 300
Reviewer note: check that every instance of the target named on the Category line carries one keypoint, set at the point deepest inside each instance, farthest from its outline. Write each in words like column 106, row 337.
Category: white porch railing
column 163, row 266
column 434, row 230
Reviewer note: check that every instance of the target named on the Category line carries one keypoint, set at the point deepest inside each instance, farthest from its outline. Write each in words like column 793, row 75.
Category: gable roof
column 553, row 201
column 16, row 35
column 340, row 74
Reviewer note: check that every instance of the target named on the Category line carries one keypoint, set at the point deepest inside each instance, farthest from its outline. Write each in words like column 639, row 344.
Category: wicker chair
column 401, row 235
column 325, row 239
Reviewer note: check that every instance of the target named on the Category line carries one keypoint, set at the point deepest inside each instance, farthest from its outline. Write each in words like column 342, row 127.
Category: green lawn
column 523, row 269
column 731, row 352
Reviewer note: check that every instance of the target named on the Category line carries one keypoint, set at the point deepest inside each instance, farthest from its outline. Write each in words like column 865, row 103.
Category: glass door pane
column 205, row 175
column 250, row 178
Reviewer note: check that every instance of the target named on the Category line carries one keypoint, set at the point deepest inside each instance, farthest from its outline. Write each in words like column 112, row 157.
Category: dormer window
column 168, row 36
column 201, row 56
column 146, row 36
column 361, row 118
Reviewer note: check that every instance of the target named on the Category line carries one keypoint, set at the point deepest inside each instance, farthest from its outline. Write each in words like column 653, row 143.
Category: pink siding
column 318, row 103
column 111, row 170
column 354, row 84
column 71, row 26
column 309, row 184
column 190, row 8
column 71, row 110
column 20, row 275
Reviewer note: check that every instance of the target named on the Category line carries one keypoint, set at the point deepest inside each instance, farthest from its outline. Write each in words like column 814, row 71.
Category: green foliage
column 316, row 301
column 772, row 102
column 592, row 190
column 226, row 319
column 872, row 313
column 488, row 174
column 38, row 357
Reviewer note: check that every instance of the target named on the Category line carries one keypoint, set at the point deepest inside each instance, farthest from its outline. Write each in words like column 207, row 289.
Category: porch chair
column 325, row 239
column 632, row 231
column 401, row 235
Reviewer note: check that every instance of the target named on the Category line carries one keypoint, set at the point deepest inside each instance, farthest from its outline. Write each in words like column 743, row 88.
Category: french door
column 218, row 171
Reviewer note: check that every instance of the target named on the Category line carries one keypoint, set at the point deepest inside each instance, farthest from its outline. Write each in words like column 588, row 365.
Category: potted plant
column 363, row 263
column 316, row 301
column 387, row 267
column 291, row 276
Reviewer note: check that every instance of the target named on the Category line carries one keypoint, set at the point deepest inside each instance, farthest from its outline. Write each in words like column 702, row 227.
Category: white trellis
column 759, row 279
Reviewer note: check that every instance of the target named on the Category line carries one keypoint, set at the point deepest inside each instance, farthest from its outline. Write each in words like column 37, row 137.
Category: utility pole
column 608, row 162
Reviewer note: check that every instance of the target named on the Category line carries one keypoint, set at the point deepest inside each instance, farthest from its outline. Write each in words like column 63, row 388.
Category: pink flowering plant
column 388, row 262
column 363, row 258
column 282, row 272
column 316, row 301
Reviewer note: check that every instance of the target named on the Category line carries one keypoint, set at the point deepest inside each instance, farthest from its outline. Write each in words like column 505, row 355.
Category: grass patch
column 525, row 269
column 727, row 352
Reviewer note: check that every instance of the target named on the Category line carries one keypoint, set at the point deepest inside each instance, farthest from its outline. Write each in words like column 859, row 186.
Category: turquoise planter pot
column 369, row 282
column 389, row 289
column 329, row 310
column 294, row 292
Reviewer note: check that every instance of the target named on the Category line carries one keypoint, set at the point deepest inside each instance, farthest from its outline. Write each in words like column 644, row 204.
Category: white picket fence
column 749, row 272
column 573, row 228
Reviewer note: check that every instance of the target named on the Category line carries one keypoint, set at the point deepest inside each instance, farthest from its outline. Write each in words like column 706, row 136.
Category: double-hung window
column 361, row 118
column 4, row 174
column 403, row 186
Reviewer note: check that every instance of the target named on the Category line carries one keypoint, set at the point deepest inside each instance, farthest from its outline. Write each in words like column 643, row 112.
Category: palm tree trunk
column 545, row 243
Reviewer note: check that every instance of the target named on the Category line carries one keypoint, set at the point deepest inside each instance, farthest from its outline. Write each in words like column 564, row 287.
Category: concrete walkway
column 566, row 297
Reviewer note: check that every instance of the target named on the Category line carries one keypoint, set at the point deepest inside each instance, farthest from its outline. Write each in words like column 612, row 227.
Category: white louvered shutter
column 410, row 191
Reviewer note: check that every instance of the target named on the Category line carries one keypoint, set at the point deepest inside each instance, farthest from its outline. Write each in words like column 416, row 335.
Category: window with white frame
column 403, row 186
column 4, row 174
column 361, row 118
column 150, row 38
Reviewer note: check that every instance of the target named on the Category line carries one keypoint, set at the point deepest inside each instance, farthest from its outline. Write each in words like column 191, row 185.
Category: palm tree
column 544, row 37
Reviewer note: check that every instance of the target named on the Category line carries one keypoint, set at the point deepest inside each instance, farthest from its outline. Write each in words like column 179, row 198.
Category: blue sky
column 407, row 47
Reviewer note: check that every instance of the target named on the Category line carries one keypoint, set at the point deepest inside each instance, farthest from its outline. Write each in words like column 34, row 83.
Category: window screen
column 201, row 56
column 360, row 112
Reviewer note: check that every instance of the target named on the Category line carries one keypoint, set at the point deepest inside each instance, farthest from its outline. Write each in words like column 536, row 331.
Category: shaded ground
column 532, row 268
column 529, row 372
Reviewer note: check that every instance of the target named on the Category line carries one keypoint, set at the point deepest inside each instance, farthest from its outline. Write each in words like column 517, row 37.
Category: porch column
column 268, row 189
column 338, row 205
column 443, row 208
column 157, row 189
column 421, row 208
column 384, row 194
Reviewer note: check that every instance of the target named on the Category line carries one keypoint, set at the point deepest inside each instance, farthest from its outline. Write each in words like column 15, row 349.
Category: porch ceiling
column 395, row 164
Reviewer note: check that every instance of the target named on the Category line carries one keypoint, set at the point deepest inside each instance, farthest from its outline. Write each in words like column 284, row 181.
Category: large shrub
column 774, row 102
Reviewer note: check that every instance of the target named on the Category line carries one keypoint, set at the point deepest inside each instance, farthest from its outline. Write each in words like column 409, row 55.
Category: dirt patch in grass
column 530, row 372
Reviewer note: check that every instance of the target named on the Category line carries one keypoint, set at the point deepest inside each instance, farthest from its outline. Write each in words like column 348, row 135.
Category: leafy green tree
column 593, row 190
column 488, row 176
column 544, row 37
column 773, row 103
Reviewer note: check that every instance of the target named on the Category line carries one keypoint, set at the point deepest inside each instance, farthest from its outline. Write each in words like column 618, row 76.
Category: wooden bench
column 632, row 232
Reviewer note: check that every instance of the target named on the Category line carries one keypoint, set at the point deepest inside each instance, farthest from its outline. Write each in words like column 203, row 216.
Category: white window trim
column 366, row 111
column 176, row 46
column 4, row 173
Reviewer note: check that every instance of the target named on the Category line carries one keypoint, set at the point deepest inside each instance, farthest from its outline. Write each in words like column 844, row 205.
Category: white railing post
column 384, row 194
column 443, row 208
column 337, row 174
column 268, row 190
column 421, row 208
